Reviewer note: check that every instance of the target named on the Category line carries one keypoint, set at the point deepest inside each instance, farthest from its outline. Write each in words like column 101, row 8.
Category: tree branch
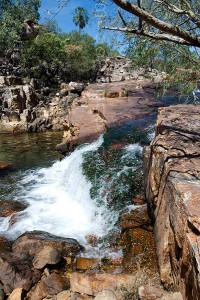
column 122, row 18
column 189, row 38
column 155, row 36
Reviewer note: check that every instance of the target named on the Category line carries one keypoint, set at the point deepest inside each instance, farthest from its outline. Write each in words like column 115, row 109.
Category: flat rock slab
column 109, row 104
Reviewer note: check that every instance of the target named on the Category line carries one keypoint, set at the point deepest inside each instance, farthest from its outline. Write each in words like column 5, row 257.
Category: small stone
column 63, row 295
column 106, row 295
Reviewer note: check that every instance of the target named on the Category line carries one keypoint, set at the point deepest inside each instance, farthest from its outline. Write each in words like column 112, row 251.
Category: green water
column 29, row 151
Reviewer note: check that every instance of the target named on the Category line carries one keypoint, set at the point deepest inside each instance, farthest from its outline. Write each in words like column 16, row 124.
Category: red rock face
column 172, row 186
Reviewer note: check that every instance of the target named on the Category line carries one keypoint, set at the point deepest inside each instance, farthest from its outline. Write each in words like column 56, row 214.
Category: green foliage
column 72, row 56
column 12, row 14
column 164, row 57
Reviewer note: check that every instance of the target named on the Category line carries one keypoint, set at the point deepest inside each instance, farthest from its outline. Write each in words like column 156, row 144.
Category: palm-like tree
column 81, row 17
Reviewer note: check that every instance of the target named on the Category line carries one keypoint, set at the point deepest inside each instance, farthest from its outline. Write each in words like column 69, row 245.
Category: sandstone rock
column 47, row 255
column 64, row 92
column 106, row 295
column 173, row 296
column 92, row 284
column 48, row 287
column 150, row 292
column 76, row 87
column 77, row 296
column 17, row 294
column 172, row 167
column 17, row 272
column 5, row 244
column 34, row 241
column 137, row 217
column 83, row 263
column 7, row 208
column 138, row 200
column 29, row 30
column 64, row 295
column 112, row 94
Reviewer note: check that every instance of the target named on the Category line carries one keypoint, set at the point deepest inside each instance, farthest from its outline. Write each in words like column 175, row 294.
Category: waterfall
column 59, row 198
column 59, row 201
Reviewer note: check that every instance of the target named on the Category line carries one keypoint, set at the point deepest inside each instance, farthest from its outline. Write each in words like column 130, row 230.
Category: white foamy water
column 60, row 202
column 132, row 149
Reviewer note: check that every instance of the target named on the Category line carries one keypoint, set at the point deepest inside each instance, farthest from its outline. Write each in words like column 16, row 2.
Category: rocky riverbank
column 39, row 265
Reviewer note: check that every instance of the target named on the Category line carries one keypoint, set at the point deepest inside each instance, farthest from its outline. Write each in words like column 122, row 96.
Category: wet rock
column 92, row 284
column 139, row 250
column 49, row 286
column 172, row 168
column 17, row 272
column 83, row 263
column 34, row 241
column 7, row 208
column 106, row 295
column 17, row 294
column 5, row 167
column 138, row 200
column 150, row 292
column 5, row 244
column 47, row 255
column 137, row 217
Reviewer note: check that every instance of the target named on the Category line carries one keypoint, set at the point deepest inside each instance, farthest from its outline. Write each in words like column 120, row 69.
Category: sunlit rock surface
column 172, row 173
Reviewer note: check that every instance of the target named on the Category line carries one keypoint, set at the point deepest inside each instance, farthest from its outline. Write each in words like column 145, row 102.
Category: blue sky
column 65, row 18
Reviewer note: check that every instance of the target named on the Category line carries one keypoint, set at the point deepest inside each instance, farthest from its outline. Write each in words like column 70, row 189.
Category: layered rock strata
column 172, row 187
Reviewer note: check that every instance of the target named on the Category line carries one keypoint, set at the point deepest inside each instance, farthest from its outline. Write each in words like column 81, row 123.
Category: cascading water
column 59, row 201
column 66, row 200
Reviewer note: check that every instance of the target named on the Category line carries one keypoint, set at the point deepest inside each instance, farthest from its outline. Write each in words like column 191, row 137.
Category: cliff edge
column 172, row 188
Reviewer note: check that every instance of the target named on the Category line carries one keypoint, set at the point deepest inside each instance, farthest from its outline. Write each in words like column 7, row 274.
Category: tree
column 12, row 15
column 81, row 17
column 163, row 20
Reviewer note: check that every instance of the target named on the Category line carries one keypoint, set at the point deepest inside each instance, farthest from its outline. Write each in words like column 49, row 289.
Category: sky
column 65, row 18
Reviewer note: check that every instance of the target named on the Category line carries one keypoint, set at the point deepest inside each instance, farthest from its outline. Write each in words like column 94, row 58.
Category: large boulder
column 29, row 30
column 33, row 242
column 76, row 87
